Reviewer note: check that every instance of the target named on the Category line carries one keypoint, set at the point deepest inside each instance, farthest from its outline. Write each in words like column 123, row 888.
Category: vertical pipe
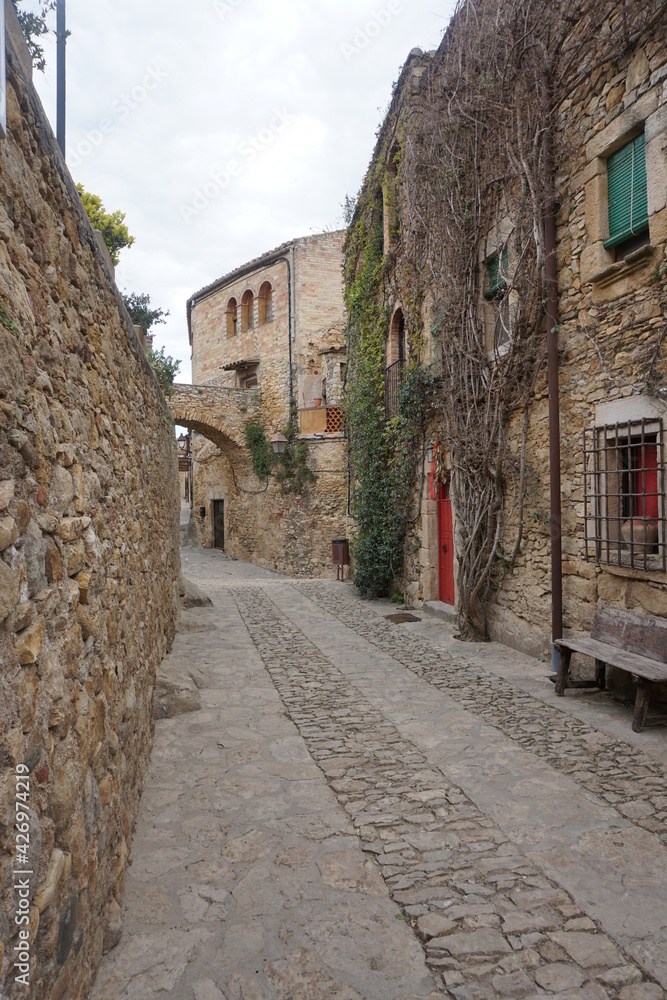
column 551, row 276
column 290, row 317
column 3, row 73
column 61, row 90
column 292, row 326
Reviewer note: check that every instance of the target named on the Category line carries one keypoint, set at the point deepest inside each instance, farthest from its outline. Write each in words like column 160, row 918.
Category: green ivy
column 7, row 322
column 260, row 449
column 292, row 472
column 384, row 453
column 290, row 469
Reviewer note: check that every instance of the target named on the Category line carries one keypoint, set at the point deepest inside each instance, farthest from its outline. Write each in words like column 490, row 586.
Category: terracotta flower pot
column 317, row 401
column 644, row 534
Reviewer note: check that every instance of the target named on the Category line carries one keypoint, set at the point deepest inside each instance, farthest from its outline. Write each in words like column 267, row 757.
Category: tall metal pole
column 3, row 72
column 61, row 89
column 551, row 275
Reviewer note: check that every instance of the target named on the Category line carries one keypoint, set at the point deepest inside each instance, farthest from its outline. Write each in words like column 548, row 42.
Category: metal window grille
column 624, row 494
column 496, row 269
column 503, row 325
column 393, row 377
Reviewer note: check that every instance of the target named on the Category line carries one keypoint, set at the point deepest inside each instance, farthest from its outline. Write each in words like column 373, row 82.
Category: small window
column 396, row 345
column 247, row 311
column 232, row 318
column 497, row 295
column 627, row 196
column 265, row 310
column 396, row 356
column 249, row 382
column 624, row 494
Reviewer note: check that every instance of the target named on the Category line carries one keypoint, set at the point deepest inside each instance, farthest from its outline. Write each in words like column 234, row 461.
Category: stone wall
column 612, row 323
column 88, row 562
column 281, row 531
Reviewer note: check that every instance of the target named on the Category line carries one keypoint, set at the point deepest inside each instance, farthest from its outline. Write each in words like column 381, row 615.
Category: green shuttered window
column 628, row 204
column 496, row 282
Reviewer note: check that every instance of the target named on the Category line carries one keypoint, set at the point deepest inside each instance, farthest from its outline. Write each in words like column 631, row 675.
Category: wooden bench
column 636, row 643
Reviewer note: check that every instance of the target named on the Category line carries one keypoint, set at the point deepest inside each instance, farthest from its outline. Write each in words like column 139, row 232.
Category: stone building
column 267, row 335
column 88, row 564
column 462, row 276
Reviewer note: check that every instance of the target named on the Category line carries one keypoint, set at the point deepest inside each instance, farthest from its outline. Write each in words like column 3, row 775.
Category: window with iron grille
column 624, row 494
column 496, row 269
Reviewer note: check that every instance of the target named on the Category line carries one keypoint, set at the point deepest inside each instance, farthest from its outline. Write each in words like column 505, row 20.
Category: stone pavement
column 368, row 810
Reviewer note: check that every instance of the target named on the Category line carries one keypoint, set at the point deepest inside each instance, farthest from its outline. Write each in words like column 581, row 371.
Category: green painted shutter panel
column 627, row 195
column 640, row 187
column 495, row 281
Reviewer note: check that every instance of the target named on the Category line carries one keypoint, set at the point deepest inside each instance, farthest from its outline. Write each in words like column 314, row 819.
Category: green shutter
column 496, row 283
column 627, row 198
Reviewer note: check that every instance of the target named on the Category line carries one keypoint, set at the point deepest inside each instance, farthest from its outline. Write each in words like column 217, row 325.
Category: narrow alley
column 363, row 809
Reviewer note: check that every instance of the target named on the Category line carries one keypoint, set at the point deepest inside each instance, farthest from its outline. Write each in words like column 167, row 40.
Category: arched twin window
column 232, row 318
column 265, row 303
column 239, row 320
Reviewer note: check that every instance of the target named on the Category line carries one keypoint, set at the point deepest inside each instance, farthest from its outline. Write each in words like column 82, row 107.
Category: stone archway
column 219, row 415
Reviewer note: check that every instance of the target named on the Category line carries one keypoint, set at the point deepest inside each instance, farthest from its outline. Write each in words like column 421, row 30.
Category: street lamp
column 182, row 444
column 279, row 443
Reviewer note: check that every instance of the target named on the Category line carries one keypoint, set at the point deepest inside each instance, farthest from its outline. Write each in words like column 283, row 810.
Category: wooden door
column 446, row 544
column 219, row 524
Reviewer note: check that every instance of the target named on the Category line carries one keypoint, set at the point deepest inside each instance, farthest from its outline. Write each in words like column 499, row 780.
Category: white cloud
column 160, row 95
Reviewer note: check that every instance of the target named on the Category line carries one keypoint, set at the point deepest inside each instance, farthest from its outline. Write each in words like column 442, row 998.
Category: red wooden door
column 446, row 544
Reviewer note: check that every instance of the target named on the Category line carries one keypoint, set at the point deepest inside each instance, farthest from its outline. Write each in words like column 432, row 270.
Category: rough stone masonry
column 88, row 564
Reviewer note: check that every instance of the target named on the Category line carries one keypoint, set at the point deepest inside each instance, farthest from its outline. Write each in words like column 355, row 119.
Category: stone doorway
column 219, row 524
column 446, row 545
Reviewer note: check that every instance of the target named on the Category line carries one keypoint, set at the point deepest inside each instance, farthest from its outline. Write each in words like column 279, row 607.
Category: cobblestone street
column 362, row 809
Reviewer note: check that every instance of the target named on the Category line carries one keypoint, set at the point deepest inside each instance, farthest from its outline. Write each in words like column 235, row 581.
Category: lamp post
column 185, row 463
column 3, row 74
column 61, row 87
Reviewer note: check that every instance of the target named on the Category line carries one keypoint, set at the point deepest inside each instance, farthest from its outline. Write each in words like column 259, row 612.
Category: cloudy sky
column 223, row 128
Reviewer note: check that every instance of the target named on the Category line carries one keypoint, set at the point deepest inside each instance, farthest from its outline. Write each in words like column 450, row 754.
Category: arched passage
column 220, row 460
column 219, row 414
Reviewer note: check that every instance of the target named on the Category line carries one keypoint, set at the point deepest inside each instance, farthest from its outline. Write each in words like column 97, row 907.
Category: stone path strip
column 491, row 922
column 247, row 880
column 629, row 780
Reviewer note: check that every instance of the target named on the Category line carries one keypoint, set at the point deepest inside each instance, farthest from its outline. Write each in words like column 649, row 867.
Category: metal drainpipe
column 290, row 322
column 551, row 275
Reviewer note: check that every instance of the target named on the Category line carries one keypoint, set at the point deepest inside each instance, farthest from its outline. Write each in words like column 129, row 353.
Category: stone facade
column 269, row 332
column 88, row 563
column 612, row 351
column 612, row 321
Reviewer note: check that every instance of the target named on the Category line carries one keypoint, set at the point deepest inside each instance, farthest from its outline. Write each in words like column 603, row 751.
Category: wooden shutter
column 627, row 197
